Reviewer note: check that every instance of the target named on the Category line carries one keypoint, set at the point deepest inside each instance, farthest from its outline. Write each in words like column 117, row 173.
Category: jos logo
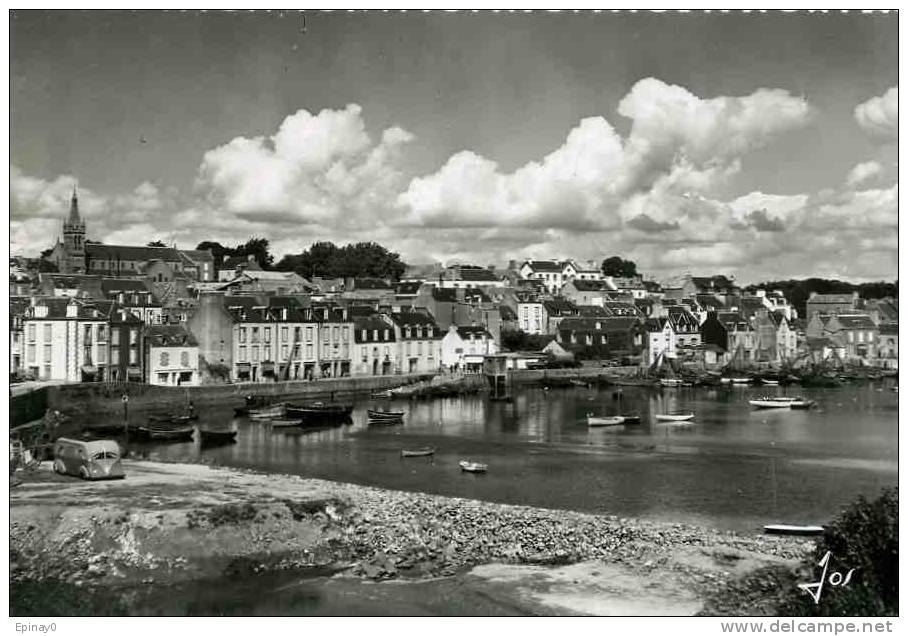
column 836, row 579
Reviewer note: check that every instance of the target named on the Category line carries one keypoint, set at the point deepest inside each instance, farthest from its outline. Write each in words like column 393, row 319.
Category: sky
column 757, row 145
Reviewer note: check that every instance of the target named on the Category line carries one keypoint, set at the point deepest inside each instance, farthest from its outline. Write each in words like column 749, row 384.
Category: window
column 365, row 353
column 284, row 351
column 869, row 336
column 335, row 333
column 114, row 336
column 184, row 358
column 162, row 378
column 87, row 331
column 242, row 353
column 419, row 347
column 255, row 354
column 309, row 352
column 102, row 354
column 47, row 331
column 165, row 358
column 860, row 336
column 242, row 334
column 308, row 334
column 267, row 334
column 133, row 356
column 364, row 336
column 386, row 334
column 297, row 334
column 375, row 334
column 346, row 333
column 47, row 353
column 255, row 335
column 409, row 350
column 114, row 356
column 31, row 332
column 133, row 337
column 102, row 333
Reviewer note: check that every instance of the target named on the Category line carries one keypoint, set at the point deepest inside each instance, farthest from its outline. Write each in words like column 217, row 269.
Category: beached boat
column 675, row 417
column 216, row 436
column 615, row 420
column 422, row 452
column 780, row 528
column 781, row 402
column 473, row 467
column 385, row 415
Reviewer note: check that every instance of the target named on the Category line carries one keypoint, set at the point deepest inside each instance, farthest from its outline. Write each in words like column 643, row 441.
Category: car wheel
column 59, row 468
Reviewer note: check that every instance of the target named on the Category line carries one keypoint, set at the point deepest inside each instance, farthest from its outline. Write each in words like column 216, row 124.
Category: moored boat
column 671, row 382
column 615, row 420
column 741, row 380
column 319, row 413
column 385, row 415
column 781, row 528
column 284, row 422
column 473, row 467
column 675, row 417
column 266, row 412
column 166, row 433
column 631, row 418
column 422, row 452
column 213, row 436
column 172, row 419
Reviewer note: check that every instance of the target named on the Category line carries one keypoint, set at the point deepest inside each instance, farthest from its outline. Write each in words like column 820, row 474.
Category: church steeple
column 74, row 238
column 74, row 208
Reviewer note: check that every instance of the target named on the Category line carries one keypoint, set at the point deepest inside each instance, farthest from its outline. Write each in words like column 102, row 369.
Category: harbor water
column 732, row 467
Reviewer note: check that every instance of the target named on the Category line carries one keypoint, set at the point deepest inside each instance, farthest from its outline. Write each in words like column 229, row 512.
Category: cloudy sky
column 758, row 145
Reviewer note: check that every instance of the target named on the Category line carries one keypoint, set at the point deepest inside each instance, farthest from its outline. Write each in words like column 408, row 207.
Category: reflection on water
column 732, row 466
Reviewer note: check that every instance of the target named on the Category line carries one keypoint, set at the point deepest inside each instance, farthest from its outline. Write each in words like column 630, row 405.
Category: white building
column 551, row 273
column 172, row 356
column 531, row 317
column 660, row 339
column 465, row 348
column 64, row 340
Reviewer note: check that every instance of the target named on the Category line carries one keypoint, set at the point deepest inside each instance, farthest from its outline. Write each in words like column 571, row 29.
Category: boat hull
column 801, row 531
column 473, row 467
column 680, row 417
column 426, row 452
column 605, row 421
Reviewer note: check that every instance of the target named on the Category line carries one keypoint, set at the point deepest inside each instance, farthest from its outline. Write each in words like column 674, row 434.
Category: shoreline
column 168, row 523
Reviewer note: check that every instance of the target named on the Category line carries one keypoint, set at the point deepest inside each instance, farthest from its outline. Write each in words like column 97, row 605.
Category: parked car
column 88, row 459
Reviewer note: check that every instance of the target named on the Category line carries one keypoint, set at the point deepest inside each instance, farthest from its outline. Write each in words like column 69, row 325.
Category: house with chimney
column 588, row 292
column 463, row 348
column 418, row 341
column 172, row 356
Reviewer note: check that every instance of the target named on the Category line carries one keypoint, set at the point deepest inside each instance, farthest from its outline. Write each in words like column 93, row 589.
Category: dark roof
column 375, row 327
column 474, row 330
column 475, row 273
column 407, row 289
column 559, row 307
column 544, row 266
column 591, row 285
column 99, row 251
column 617, row 308
column 656, row 324
column 370, row 283
column 169, row 336
column 198, row 256
column 449, row 295
column 856, row 321
column 507, row 313
column 593, row 311
column 831, row 298
column 708, row 301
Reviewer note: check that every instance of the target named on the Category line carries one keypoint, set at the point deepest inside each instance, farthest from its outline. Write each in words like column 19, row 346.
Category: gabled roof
column 449, row 295
column 476, row 273
column 198, row 256
column 372, row 328
column 656, row 324
column 507, row 313
column 709, row 302
column 477, row 331
column 559, row 307
column 544, row 266
column 594, row 311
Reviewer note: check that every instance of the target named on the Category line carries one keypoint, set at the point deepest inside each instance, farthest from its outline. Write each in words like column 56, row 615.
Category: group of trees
column 255, row 247
column 798, row 291
column 618, row 267
column 327, row 260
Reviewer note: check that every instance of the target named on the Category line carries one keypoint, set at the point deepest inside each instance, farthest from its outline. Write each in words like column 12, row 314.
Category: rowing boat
column 473, row 467
column 675, row 417
column 781, row 402
column 385, row 415
column 780, row 528
column 615, row 420
column 207, row 435
column 166, row 433
column 631, row 418
column 423, row 452
column 285, row 422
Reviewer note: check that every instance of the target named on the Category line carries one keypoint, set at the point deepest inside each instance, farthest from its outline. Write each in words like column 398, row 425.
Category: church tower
column 74, row 238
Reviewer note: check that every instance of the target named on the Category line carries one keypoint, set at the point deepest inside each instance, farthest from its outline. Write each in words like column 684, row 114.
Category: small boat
column 267, row 412
column 779, row 528
column 167, row 433
column 251, row 402
column 285, row 422
column 615, row 420
column 383, row 394
column 580, row 383
column 319, row 412
column 422, row 452
column 670, row 382
column 802, row 403
column 172, row 419
column 773, row 402
column 631, row 418
column 675, row 417
column 473, row 467
column 385, row 415
column 741, row 380
column 208, row 435
column 769, row 382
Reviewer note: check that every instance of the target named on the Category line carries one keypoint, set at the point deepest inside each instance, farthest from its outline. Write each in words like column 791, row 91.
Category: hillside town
column 177, row 317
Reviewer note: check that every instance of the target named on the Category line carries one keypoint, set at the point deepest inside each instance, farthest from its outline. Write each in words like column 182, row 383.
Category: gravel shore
column 170, row 522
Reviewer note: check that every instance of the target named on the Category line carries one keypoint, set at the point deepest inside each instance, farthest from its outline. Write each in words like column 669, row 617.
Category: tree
column 618, row 267
column 326, row 260
column 258, row 249
column 157, row 243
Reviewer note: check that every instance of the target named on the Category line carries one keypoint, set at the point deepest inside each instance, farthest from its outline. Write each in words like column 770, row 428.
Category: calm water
column 732, row 467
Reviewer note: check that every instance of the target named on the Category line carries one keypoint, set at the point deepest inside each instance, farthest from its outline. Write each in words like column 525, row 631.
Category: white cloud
column 863, row 173
column 879, row 116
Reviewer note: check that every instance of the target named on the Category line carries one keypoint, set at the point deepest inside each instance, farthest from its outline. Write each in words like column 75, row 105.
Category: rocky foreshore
column 170, row 522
